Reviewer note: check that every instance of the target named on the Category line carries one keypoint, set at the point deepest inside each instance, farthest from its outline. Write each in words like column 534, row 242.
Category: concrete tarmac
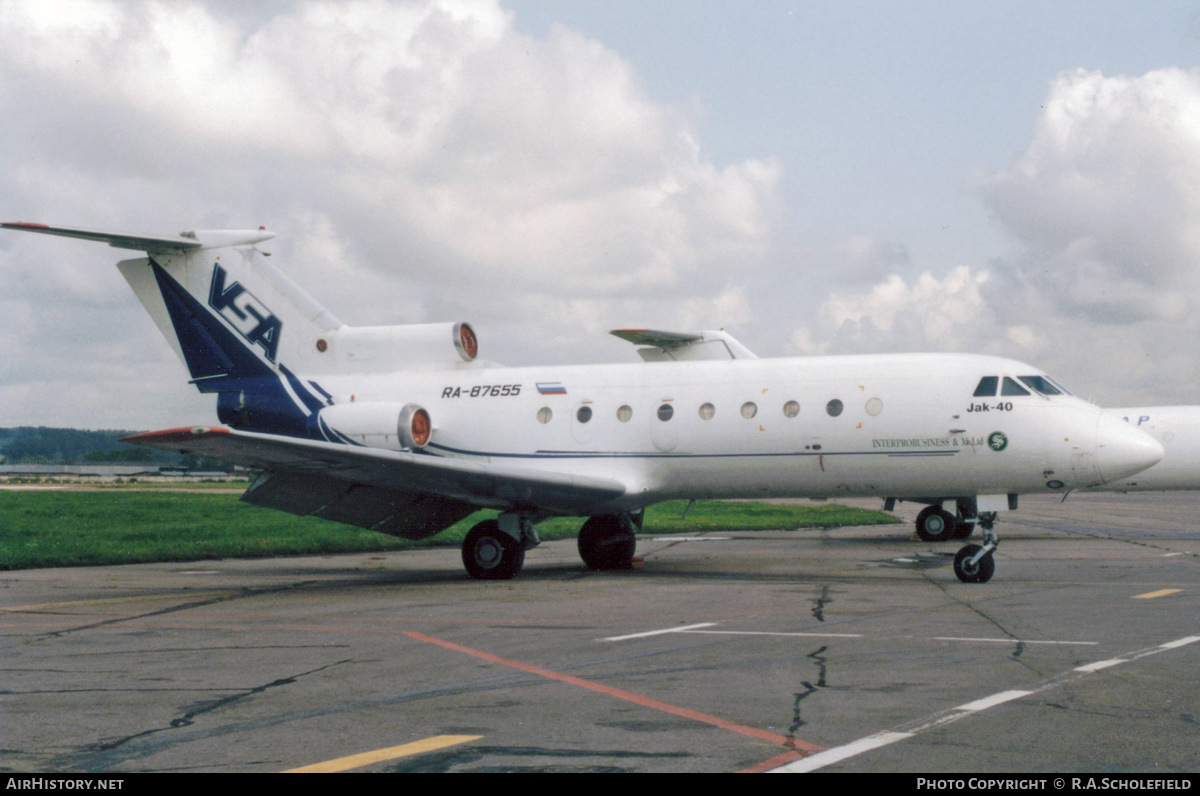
column 841, row 649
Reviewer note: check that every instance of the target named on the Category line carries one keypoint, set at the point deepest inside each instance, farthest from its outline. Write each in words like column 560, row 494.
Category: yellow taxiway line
column 379, row 755
column 1150, row 595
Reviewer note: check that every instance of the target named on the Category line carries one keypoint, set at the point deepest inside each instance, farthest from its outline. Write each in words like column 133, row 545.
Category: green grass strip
column 78, row 528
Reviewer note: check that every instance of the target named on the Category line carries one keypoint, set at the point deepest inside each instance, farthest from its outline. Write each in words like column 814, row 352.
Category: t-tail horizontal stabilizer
column 684, row 346
column 184, row 241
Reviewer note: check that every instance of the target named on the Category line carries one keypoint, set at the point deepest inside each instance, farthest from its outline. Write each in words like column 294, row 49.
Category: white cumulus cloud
column 420, row 161
column 1103, row 285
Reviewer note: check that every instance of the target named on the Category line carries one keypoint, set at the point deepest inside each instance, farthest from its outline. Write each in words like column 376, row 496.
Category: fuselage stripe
column 553, row 454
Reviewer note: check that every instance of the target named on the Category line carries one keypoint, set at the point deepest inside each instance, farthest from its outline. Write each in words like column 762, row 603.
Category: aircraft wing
column 684, row 346
column 397, row 492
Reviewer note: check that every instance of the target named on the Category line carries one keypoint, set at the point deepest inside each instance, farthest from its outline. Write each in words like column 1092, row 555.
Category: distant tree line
column 41, row 445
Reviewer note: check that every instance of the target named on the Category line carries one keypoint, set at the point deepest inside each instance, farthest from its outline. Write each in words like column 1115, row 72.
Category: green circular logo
column 997, row 440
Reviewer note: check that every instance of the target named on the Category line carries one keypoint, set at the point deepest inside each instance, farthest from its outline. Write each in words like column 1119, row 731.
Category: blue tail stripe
column 328, row 398
column 202, row 350
column 311, row 402
column 251, row 394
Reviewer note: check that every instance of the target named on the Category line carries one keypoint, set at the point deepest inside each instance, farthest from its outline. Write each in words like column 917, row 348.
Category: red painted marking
column 628, row 696
column 175, row 434
column 27, row 225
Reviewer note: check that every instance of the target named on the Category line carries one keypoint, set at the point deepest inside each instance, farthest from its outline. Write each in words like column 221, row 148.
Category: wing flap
column 481, row 485
column 411, row 515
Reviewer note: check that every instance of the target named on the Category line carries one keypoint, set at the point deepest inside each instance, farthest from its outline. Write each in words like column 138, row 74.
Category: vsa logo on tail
column 245, row 313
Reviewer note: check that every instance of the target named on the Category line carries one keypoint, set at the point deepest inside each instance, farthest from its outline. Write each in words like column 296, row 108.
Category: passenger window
column 791, row 409
column 665, row 412
column 987, row 387
column 1039, row 384
column 707, row 411
column 749, row 410
column 625, row 413
column 544, row 415
column 834, row 408
column 1012, row 388
column 584, row 414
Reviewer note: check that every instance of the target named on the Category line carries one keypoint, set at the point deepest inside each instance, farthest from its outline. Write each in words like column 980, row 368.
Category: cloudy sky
column 1018, row 178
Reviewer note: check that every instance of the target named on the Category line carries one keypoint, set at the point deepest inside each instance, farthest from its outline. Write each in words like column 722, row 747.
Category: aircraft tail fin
column 244, row 330
column 231, row 317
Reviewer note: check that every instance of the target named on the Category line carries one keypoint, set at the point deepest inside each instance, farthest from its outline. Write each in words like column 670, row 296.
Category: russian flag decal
column 551, row 388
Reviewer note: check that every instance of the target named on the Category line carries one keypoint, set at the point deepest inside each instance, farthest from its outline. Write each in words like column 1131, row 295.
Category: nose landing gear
column 974, row 563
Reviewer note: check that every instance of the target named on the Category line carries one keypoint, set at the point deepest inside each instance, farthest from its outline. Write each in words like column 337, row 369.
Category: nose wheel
column 974, row 563
column 972, row 567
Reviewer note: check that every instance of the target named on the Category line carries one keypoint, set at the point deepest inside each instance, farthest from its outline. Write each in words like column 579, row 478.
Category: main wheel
column 489, row 553
column 605, row 542
column 935, row 524
column 980, row 572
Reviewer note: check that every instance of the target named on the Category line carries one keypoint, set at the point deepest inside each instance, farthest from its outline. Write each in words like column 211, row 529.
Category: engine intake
column 381, row 425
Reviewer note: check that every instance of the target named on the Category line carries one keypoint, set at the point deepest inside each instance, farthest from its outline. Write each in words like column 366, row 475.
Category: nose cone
column 1122, row 450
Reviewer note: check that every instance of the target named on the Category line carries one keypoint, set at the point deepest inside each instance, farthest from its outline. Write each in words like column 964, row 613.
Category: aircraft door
column 583, row 421
column 664, row 431
column 1084, row 469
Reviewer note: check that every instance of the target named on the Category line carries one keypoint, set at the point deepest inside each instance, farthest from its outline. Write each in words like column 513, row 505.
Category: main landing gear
column 607, row 541
column 935, row 524
column 495, row 549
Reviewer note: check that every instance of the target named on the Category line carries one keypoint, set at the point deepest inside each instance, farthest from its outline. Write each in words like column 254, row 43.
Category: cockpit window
column 987, row 387
column 1012, row 388
column 1040, row 384
column 1061, row 388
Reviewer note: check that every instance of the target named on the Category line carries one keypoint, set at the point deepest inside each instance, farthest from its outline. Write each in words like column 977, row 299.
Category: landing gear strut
column 974, row 563
column 964, row 523
column 962, row 529
column 606, row 541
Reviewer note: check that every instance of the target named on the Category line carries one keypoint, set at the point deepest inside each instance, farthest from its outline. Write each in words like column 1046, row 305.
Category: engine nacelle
column 418, row 346
column 378, row 425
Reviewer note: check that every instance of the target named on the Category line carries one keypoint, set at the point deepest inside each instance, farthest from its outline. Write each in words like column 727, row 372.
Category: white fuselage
column 909, row 426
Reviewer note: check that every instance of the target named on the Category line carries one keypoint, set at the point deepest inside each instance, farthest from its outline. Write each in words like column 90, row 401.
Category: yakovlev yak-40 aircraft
column 402, row 429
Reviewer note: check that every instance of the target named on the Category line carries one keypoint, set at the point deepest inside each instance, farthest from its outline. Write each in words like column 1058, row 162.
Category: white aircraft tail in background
column 403, row 429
